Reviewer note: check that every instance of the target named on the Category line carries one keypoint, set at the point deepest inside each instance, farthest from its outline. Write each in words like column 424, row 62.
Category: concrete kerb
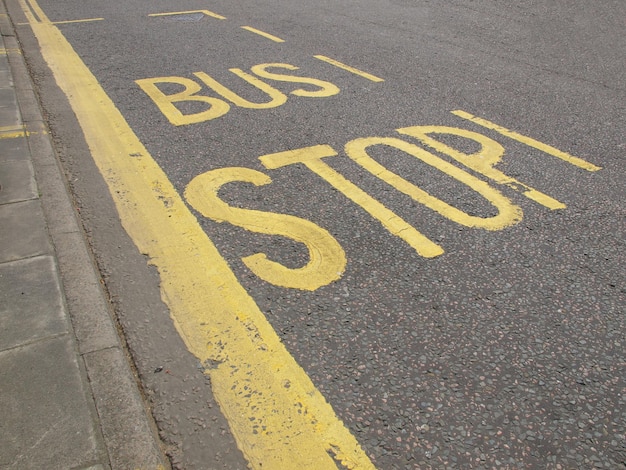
column 129, row 433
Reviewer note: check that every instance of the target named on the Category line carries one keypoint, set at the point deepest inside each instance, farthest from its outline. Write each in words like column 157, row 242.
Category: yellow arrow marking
column 206, row 12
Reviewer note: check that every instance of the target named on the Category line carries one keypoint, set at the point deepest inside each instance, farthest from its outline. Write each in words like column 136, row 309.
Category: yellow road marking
column 217, row 107
column 508, row 213
column 482, row 161
column 86, row 20
column 10, row 51
column 13, row 135
column 206, row 12
column 312, row 157
column 13, row 132
column 269, row 36
column 579, row 162
column 336, row 63
column 278, row 417
column 327, row 260
column 12, row 129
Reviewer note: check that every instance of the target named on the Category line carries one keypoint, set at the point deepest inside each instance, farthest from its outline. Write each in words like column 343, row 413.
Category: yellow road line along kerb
column 358, row 72
column 278, row 417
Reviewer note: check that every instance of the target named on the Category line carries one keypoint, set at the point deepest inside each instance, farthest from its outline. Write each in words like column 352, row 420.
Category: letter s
column 327, row 259
column 326, row 88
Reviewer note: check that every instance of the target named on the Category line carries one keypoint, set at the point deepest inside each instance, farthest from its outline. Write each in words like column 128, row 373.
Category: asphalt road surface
column 355, row 234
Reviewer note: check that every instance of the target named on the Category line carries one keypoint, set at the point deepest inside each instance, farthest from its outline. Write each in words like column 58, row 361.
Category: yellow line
column 579, row 162
column 206, row 12
column 312, row 157
column 278, row 417
column 12, row 128
column 86, row 20
column 13, row 135
column 336, row 63
column 18, row 133
column 34, row 14
column 10, row 51
column 11, row 132
column 269, row 36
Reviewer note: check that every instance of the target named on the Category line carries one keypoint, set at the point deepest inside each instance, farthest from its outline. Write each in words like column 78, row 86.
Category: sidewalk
column 68, row 398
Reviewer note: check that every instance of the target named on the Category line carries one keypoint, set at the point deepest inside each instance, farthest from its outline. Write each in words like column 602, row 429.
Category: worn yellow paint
column 278, row 417
column 13, row 135
column 508, row 213
column 269, row 36
column 312, row 157
column 12, row 132
column 579, row 162
column 483, row 161
column 327, row 260
column 353, row 70
column 206, row 12
column 14, row 50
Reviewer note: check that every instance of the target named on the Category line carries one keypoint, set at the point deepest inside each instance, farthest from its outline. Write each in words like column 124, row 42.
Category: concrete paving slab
column 17, row 64
column 22, row 231
column 17, row 181
column 14, row 148
column 31, row 304
column 88, row 308
column 9, row 114
column 59, row 213
column 52, row 189
column 121, row 412
column 48, row 416
column 5, row 74
column 29, row 106
column 5, row 24
column 47, row 421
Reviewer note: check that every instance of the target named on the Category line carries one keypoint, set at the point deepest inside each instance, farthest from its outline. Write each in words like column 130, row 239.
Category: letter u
column 276, row 97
